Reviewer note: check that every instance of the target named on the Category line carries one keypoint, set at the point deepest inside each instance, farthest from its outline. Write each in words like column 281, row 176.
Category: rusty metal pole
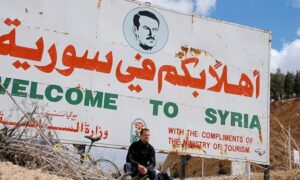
column 266, row 172
column 248, row 171
column 202, row 168
column 182, row 167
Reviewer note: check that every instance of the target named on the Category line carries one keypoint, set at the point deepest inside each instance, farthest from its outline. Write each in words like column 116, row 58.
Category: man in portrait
column 145, row 29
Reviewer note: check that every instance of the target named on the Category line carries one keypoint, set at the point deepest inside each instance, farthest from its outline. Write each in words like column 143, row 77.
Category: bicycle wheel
column 108, row 168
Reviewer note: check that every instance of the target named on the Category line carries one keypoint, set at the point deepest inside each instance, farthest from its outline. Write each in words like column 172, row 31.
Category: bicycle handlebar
column 93, row 139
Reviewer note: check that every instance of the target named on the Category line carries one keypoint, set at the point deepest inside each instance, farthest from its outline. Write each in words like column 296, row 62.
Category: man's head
column 146, row 26
column 145, row 135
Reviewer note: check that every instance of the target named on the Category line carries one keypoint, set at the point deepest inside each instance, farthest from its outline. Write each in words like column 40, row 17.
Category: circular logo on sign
column 145, row 30
column 136, row 126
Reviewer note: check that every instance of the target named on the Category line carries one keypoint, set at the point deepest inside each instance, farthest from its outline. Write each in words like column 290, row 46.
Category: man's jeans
column 128, row 168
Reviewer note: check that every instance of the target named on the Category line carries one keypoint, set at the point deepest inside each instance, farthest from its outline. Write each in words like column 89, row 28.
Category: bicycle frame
column 104, row 165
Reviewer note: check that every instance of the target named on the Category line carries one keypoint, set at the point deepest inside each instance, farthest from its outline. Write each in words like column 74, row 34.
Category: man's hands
column 142, row 169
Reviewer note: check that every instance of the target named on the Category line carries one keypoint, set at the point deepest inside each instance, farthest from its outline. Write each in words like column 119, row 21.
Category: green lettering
column 110, row 101
column 48, row 93
column 78, row 97
column 155, row 106
column 33, row 91
column 255, row 123
column 211, row 116
column 18, row 88
column 223, row 116
column 89, row 100
column 236, row 117
column 246, row 123
column 166, row 109
column 5, row 85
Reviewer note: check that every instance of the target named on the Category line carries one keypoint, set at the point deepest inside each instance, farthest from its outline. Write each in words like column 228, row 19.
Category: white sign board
column 109, row 68
column 238, row 168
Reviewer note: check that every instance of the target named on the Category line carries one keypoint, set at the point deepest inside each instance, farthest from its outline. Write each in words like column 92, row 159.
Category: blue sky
column 278, row 16
column 281, row 17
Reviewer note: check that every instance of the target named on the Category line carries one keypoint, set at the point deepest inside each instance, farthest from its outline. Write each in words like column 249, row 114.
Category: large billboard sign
column 110, row 68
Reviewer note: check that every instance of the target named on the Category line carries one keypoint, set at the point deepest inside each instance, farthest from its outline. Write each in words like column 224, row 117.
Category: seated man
column 140, row 159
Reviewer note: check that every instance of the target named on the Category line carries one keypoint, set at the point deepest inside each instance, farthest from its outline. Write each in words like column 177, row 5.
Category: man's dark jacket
column 143, row 154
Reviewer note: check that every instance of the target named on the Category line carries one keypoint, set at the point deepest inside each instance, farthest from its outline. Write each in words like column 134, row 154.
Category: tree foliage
column 277, row 85
column 285, row 85
column 289, row 83
column 297, row 84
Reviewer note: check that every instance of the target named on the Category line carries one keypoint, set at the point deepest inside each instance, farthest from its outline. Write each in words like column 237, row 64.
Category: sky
column 281, row 17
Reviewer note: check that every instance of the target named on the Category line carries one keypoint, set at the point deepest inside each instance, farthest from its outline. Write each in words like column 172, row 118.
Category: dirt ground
column 9, row 171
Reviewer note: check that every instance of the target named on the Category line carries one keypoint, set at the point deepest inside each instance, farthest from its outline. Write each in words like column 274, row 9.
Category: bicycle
column 105, row 166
